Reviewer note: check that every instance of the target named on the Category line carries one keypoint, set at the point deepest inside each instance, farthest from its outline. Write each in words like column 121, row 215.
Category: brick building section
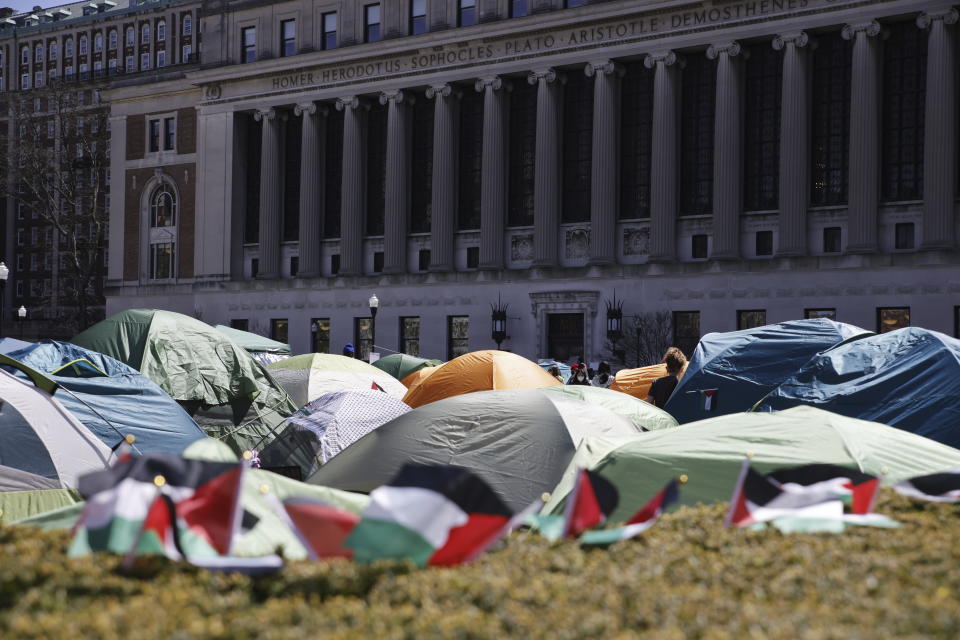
column 187, row 134
column 184, row 177
column 136, row 137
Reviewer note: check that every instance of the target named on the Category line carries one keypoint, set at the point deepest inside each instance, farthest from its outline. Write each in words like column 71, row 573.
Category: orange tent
column 636, row 382
column 478, row 371
column 417, row 377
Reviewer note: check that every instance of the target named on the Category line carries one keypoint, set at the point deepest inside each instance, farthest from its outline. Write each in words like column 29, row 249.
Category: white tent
column 42, row 445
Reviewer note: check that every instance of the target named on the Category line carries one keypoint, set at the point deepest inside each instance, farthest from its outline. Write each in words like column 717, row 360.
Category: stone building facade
column 730, row 163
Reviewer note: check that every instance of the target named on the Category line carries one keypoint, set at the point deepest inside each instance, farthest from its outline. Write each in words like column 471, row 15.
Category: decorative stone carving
column 521, row 248
column 636, row 242
column 577, row 243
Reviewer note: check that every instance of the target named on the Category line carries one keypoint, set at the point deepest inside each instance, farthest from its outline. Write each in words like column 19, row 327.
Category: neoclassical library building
column 727, row 163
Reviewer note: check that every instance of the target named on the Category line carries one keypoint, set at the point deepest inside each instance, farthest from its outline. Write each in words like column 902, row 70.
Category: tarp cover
column 744, row 366
column 252, row 341
column 401, row 365
column 479, row 371
column 230, row 394
column 110, row 398
column 908, row 378
column 711, row 453
column 518, row 441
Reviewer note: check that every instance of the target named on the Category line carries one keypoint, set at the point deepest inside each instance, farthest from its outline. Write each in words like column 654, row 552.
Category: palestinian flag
column 709, row 399
column 320, row 527
column 856, row 489
column 375, row 387
column 437, row 515
column 642, row 520
column 592, row 499
column 161, row 504
column 757, row 498
column 937, row 487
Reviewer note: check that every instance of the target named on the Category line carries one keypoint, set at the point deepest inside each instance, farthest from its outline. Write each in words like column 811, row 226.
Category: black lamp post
column 615, row 323
column 4, row 273
column 498, row 318
column 21, row 315
column 374, row 305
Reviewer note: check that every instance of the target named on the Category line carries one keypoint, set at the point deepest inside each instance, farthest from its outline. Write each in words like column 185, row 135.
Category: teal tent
column 401, row 365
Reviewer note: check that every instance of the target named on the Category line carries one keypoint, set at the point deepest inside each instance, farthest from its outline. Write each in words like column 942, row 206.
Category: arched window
column 187, row 25
column 161, row 31
column 145, row 33
column 83, row 45
column 163, row 207
column 98, row 42
column 131, row 35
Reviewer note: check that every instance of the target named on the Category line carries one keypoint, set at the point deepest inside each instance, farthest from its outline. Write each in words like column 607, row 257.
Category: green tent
column 400, row 365
column 711, row 453
column 253, row 342
column 267, row 535
column 228, row 393
column 643, row 414
column 15, row 505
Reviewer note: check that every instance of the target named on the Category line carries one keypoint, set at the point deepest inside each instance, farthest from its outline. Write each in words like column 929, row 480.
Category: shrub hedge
column 686, row 577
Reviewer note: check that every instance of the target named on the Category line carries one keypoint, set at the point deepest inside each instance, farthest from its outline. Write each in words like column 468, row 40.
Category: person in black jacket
column 661, row 388
column 578, row 375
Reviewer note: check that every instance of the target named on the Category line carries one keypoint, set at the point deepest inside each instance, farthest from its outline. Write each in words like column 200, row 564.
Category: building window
column 376, row 169
column 764, row 70
column 153, row 142
column 422, row 167
column 699, row 246
column 830, row 122
column 113, row 39
column 280, row 329
column 131, row 38
column 696, row 139
column 764, row 243
column 334, row 174
column 320, row 335
column 904, row 91
column 54, row 52
column 473, row 257
column 38, row 53
column 169, row 133
column 161, row 58
column 185, row 53
column 68, row 48
column 288, row 38
column 161, row 260
column 131, row 65
column 523, row 144
column 371, row 23
column 38, row 79
column 144, row 33
column 410, row 335
column 519, row 8
column 241, row 324
column 363, row 338
column 25, row 55
column 329, row 40
column 378, row 262
column 98, row 42
column 163, row 207
column 187, row 25
column 248, row 44
column 750, row 318
column 832, row 240
column 812, row 314
column 470, row 159
column 83, row 45
column 418, row 17
column 161, row 31
column 458, row 336
column 254, row 267
column 903, row 235
column 892, row 318
column 577, row 147
column 112, row 65
column 686, row 331
column 144, row 62
column 423, row 259
column 25, row 81
column 636, row 115
column 467, row 15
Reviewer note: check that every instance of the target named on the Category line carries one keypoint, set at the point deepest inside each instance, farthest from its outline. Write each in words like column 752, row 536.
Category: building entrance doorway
column 564, row 336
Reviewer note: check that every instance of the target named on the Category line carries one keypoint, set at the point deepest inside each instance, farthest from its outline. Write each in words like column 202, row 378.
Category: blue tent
column 909, row 379
column 110, row 398
column 736, row 369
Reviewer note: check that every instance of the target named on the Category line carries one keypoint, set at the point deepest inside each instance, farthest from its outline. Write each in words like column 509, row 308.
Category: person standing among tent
column 579, row 375
column 661, row 388
column 603, row 378
column 555, row 372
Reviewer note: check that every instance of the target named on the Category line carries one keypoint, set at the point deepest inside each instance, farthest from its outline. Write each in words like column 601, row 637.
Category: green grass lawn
column 686, row 577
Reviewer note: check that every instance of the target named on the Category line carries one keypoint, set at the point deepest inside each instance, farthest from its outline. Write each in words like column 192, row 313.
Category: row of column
column 794, row 169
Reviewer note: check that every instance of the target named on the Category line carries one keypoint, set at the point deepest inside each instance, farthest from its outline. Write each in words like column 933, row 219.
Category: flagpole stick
column 728, row 519
column 127, row 563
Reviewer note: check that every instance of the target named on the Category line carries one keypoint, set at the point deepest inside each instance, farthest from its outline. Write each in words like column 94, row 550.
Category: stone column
column 397, row 188
column 794, row 192
column 546, row 183
column 605, row 167
column 493, row 177
column 311, row 187
column 663, row 170
column 271, row 194
column 864, row 182
column 727, row 150
column 354, row 186
column 940, row 135
column 444, row 194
